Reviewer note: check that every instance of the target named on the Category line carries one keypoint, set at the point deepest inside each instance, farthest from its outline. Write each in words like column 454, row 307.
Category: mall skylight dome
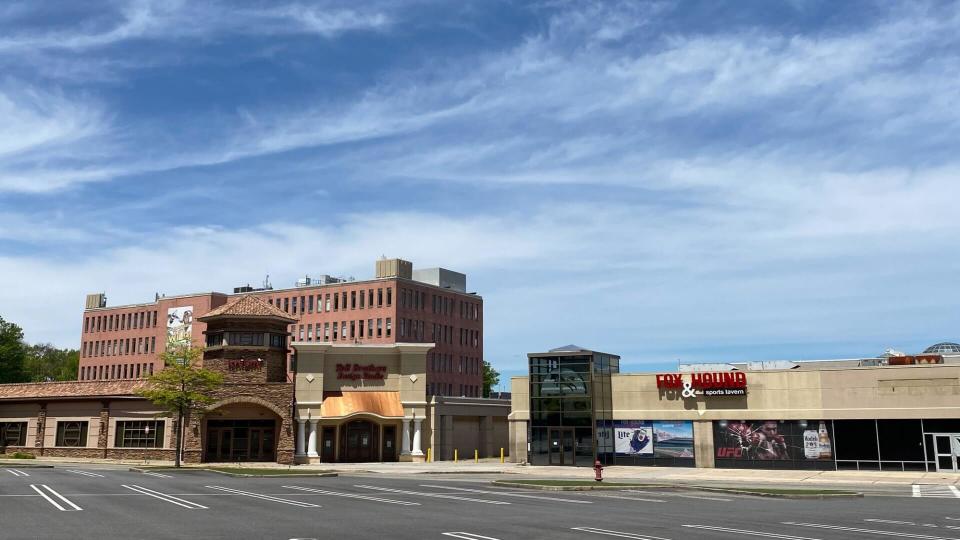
column 943, row 348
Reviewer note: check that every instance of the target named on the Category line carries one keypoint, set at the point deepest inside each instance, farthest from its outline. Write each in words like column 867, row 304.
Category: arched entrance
column 358, row 441
column 240, row 431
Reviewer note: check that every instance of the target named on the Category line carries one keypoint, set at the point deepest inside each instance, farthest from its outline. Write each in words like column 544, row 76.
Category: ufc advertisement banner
column 773, row 440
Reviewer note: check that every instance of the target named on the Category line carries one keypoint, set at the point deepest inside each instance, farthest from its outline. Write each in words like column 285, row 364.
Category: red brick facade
column 125, row 342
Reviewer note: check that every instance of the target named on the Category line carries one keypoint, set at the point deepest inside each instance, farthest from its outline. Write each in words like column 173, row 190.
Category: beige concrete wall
column 887, row 392
column 890, row 392
column 317, row 373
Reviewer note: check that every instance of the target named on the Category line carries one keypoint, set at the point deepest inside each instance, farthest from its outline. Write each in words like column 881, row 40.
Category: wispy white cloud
column 178, row 19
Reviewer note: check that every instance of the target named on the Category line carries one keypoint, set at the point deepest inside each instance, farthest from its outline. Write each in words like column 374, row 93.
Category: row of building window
column 344, row 330
column 358, row 299
column 447, row 389
column 440, row 304
column 129, row 434
column 116, row 371
column 439, row 333
column 245, row 339
column 120, row 321
column 118, row 347
column 444, row 363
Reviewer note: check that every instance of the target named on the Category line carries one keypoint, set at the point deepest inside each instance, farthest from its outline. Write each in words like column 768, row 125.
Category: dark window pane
column 855, row 439
column 900, row 440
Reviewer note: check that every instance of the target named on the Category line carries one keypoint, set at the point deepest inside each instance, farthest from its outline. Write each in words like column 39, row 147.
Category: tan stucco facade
column 855, row 393
column 381, row 412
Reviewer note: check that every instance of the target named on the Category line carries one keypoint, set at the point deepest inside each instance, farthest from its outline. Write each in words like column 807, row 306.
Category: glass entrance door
column 562, row 445
column 946, row 449
column 241, row 440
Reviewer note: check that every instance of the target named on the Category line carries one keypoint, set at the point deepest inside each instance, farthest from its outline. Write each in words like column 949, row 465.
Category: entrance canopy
column 344, row 404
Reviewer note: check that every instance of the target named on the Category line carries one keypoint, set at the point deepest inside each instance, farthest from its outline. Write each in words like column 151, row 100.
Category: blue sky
column 697, row 180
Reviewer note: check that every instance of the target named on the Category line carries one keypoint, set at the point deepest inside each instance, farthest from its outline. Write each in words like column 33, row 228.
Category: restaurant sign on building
column 726, row 383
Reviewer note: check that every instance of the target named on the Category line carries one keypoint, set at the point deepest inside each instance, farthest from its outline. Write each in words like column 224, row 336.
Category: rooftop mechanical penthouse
column 399, row 305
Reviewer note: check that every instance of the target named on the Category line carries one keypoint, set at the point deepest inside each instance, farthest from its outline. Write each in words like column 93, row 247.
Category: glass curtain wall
column 569, row 395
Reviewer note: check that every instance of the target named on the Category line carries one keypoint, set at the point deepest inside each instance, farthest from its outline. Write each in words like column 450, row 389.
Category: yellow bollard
column 454, row 455
column 476, row 456
column 501, row 454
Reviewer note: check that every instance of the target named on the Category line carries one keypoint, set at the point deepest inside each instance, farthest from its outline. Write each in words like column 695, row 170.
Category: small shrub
column 23, row 455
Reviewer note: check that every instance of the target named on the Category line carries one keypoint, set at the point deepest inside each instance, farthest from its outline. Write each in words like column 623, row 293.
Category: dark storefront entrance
column 561, row 446
column 359, row 441
column 240, row 440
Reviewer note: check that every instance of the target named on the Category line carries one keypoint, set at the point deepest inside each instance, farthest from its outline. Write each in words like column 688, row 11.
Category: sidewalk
column 643, row 474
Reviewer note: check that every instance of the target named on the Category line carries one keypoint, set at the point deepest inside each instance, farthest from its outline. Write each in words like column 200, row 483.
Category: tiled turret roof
column 247, row 306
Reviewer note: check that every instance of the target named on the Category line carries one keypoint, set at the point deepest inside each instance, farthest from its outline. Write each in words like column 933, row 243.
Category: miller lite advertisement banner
column 648, row 439
column 773, row 440
column 633, row 438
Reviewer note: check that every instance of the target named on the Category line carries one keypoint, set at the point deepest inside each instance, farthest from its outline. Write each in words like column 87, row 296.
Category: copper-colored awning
column 343, row 404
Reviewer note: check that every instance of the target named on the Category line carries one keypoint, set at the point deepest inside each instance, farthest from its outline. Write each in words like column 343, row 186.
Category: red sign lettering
column 242, row 364
column 704, row 380
column 355, row 372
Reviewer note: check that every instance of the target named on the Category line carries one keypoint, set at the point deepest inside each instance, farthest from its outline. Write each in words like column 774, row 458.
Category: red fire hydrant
column 598, row 471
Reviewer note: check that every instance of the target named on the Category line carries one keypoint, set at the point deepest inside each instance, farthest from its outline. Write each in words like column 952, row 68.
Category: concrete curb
column 19, row 464
column 732, row 491
column 238, row 475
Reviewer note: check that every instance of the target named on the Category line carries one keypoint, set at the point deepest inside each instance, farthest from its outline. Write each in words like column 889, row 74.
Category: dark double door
column 562, row 446
column 241, row 440
column 360, row 441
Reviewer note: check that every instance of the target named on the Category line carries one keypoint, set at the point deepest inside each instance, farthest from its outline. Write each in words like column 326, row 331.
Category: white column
column 312, row 440
column 416, row 437
column 301, row 436
column 405, row 444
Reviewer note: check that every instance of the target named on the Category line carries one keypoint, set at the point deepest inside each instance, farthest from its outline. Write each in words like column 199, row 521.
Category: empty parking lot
column 96, row 501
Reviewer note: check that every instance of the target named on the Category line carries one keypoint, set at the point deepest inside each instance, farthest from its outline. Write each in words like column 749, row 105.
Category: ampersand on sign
column 688, row 391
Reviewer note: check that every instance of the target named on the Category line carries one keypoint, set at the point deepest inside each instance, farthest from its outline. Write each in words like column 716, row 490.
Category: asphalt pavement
column 94, row 501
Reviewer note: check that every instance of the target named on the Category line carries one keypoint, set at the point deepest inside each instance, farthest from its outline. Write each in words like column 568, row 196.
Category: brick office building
column 399, row 305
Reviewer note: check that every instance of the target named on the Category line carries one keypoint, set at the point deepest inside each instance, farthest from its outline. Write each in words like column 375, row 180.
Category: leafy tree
column 491, row 378
column 45, row 362
column 13, row 352
column 182, row 387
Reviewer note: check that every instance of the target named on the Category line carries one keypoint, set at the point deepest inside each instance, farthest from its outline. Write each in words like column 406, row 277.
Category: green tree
column 491, row 378
column 182, row 387
column 44, row 362
column 13, row 353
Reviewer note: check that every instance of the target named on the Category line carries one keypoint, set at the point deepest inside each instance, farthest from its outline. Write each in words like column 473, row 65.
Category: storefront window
column 13, row 434
column 71, row 433
column 774, row 444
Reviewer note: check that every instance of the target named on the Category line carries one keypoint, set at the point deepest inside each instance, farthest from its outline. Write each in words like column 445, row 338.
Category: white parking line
column 641, row 499
column 86, row 473
column 434, row 495
column 468, row 536
column 17, row 472
column 866, row 531
column 164, row 497
column 894, row 522
column 158, row 475
column 265, row 497
column 750, row 533
column 43, row 493
column 606, row 532
column 507, row 494
column 354, row 496
column 935, row 491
